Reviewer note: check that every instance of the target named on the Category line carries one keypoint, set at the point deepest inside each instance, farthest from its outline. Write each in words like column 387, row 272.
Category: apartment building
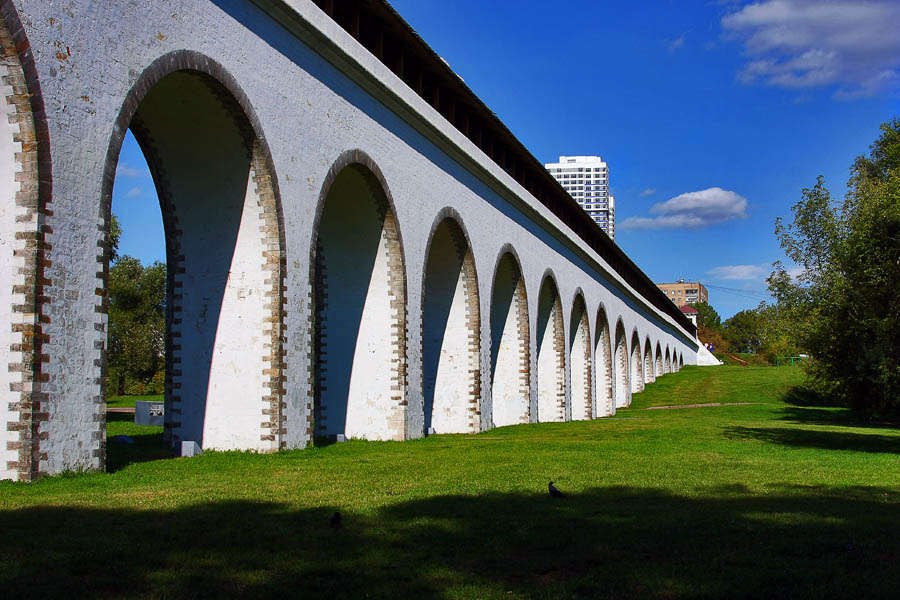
column 586, row 178
column 685, row 292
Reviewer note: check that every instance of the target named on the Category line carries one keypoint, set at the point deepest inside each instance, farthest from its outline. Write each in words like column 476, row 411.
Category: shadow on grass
column 324, row 441
column 801, row 395
column 605, row 542
column 809, row 406
column 146, row 446
column 826, row 440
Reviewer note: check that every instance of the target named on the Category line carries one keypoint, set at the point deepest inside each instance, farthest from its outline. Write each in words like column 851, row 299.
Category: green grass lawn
column 768, row 497
column 128, row 401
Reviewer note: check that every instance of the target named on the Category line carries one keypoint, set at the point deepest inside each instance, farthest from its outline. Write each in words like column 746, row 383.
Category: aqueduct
column 355, row 244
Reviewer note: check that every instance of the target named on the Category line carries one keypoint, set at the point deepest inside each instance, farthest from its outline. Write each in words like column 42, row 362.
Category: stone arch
column 658, row 361
column 358, row 276
column 26, row 176
column 637, row 367
column 667, row 365
column 451, row 329
column 225, row 251
column 680, row 361
column 649, row 371
column 623, row 391
column 510, row 354
column 551, row 352
column 580, row 359
column 604, row 365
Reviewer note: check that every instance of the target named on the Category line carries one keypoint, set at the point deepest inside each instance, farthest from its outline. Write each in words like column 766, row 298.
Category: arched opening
column 510, row 384
column 649, row 371
column 580, row 360
column 224, row 258
column 680, row 361
column 637, row 367
column 605, row 394
column 659, row 361
column 136, row 318
column 359, row 292
column 667, row 365
column 551, row 362
column 623, row 396
column 451, row 333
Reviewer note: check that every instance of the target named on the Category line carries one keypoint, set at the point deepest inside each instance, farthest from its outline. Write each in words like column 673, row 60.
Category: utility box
column 149, row 413
column 190, row 448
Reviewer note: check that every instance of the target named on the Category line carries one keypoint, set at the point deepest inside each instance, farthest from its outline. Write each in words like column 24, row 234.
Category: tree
column 137, row 321
column 115, row 232
column 715, row 338
column 709, row 327
column 707, row 316
column 846, row 300
column 743, row 331
column 777, row 331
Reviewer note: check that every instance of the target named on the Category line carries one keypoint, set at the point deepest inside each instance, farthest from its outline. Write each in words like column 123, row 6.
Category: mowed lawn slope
column 765, row 496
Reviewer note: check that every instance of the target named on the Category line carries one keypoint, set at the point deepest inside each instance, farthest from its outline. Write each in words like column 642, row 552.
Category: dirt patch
column 702, row 405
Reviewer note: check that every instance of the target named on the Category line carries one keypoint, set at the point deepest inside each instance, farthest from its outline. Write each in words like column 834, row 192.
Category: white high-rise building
column 586, row 178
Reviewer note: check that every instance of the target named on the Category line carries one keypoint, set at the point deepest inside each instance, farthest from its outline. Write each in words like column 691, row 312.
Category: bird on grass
column 555, row 493
column 335, row 520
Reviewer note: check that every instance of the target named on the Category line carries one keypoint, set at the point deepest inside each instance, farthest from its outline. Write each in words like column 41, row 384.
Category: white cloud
column 133, row 192
column 800, row 44
column 740, row 272
column 123, row 170
column 692, row 210
column 648, row 192
column 795, row 273
column 675, row 44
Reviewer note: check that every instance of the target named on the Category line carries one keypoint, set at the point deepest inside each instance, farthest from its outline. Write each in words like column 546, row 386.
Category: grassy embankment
column 769, row 498
column 743, row 359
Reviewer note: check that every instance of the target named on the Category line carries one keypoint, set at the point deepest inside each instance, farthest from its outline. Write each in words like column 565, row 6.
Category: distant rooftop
column 579, row 159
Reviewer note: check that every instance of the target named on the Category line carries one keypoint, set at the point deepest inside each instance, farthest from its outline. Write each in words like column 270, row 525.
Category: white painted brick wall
column 548, row 372
column 9, row 269
column 309, row 112
column 580, row 368
column 447, row 342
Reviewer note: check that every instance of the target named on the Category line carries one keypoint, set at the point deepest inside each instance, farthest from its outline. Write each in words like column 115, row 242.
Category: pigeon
column 335, row 520
column 555, row 492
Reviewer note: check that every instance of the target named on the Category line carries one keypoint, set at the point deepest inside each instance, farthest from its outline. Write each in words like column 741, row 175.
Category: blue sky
column 712, row 115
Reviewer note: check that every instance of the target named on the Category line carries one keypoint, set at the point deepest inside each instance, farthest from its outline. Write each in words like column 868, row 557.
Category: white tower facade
column 586, row 178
